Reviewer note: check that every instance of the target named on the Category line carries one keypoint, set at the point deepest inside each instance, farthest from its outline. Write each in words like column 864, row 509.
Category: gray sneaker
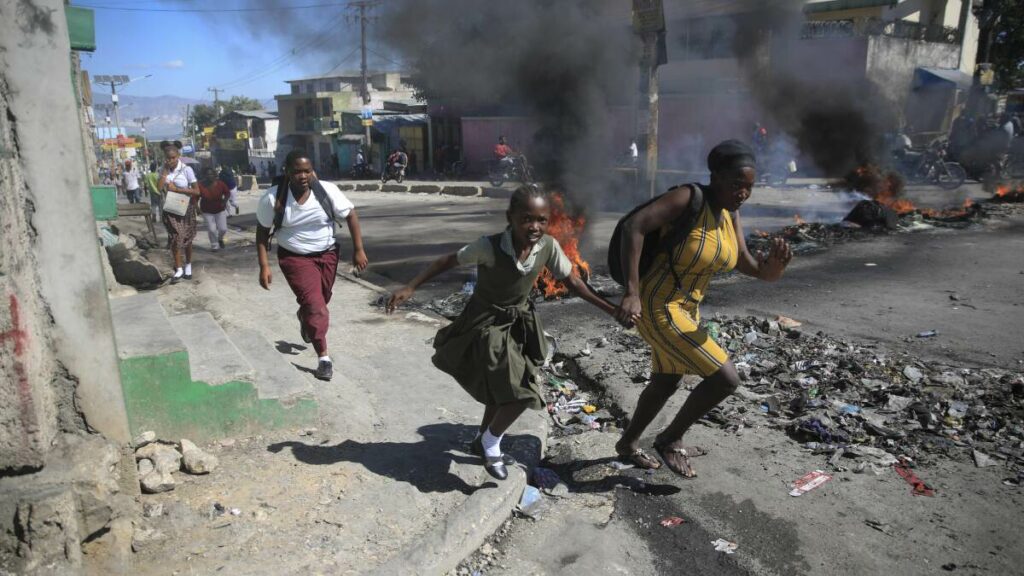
column 324, row 371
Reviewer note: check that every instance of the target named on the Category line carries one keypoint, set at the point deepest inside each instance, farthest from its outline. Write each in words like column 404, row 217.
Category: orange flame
column 567, row 230
column 886, row 188
column 1010, row 193
column 799, row 220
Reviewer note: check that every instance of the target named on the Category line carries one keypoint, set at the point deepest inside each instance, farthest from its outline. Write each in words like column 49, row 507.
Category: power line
column 280, row 62
column 266, row 9
column 388, row 58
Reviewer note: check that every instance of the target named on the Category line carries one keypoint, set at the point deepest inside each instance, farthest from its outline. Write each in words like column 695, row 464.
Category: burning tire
column 951, row 176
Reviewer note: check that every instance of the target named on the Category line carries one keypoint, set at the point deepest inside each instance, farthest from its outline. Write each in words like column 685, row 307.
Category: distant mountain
column 166, row 113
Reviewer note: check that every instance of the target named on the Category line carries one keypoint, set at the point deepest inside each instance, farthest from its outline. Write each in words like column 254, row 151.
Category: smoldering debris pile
column 869, row 219
column 852, row 400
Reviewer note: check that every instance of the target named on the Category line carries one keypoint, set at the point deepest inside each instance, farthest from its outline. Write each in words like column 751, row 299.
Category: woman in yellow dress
column 663, row 304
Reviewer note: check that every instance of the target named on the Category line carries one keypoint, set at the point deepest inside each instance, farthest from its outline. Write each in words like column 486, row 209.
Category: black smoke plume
column 837, row 116
column 557, row 62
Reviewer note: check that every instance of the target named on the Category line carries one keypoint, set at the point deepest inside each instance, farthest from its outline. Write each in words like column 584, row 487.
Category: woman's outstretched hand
column 397, row 298
column 774, row 264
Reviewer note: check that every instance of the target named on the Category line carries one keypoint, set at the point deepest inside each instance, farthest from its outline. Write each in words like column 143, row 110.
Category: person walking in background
column 213, row 203
column 301, row 212
column 494, row 348
column 177, row 177
column 130, row 179
column 151, row 181
column 229, row 180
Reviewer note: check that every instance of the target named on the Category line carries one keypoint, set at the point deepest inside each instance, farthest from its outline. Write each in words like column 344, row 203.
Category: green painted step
column 163, row 392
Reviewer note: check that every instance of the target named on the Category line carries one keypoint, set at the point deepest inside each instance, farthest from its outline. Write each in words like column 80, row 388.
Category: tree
column 1002, row 40
column 205, row 115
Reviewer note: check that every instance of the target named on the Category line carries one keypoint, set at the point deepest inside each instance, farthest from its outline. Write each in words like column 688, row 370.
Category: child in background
column 494, row 348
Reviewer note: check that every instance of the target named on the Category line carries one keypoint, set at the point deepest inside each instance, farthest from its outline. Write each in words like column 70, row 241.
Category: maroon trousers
column 311, row 277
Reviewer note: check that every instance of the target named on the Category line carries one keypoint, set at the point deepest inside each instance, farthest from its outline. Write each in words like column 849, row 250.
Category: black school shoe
column 324, row 371
column 476, row 448
column 496, row 467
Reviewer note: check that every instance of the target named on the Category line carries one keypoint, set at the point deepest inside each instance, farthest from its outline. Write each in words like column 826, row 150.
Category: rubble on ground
column 834, row 395
column 856, row 404
column 157, row 461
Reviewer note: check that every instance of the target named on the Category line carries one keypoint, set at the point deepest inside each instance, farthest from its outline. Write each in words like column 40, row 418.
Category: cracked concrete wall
column 58, row 359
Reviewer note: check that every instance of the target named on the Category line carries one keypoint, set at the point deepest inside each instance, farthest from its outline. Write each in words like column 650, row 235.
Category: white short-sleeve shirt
column 305, row 228
column 481, row 253
column 182, row 176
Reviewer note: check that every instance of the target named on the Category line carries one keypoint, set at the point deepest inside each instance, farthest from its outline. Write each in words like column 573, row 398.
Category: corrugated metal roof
column 836, row 5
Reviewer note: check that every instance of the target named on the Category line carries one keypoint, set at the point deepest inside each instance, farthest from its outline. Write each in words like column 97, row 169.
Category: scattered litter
column 750, row 337
column 586, row 351
column 788, row 323
column 927, row 334
column 723, row 545
column 469, row 288
column 809, row 482
column 236, row 512
column 919, row 488
column 531, row 502
column 982, row 460
column 671, row 521
column 589, row 408
column 882, row 527
column 870, row 264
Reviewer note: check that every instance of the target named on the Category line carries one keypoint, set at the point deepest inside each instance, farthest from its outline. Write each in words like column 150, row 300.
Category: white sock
column 325, row 359
column 178, row 272
column 188, row 268
column 492, row 444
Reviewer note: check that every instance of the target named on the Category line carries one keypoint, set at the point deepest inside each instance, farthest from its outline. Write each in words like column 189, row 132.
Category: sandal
column 686, row 452
column 640, row 459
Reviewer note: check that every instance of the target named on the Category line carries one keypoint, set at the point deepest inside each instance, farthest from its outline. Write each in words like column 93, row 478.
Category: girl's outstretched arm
column 581, row 289
column 441, row 265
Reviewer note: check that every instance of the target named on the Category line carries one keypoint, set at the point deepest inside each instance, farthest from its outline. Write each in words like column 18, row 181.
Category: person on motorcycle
column 398, row 161
column 503, row 153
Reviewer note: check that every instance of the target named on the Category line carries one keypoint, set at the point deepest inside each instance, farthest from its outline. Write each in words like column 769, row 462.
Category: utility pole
column 363, row 6
column 145, row 144
column 216, row 99
column 649, row 23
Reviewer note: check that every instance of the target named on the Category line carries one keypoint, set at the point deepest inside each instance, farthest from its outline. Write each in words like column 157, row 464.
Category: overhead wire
column 282, row 61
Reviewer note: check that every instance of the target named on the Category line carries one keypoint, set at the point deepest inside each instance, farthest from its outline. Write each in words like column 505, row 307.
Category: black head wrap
column 731, row 155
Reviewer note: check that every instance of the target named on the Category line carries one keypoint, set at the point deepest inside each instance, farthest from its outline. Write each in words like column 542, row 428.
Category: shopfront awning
column 925, row 76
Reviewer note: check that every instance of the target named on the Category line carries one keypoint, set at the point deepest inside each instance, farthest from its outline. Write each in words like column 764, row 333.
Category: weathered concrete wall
column 61, row 355
column 892, row 61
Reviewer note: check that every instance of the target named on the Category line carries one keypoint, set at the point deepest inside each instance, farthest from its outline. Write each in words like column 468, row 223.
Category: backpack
column 654, row 242
column 282, row 200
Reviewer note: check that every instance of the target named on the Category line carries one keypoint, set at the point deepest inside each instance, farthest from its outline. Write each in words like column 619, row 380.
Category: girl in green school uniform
column 494, row 348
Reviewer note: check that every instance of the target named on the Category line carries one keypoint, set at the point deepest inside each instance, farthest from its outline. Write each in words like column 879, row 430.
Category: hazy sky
column 188, row 52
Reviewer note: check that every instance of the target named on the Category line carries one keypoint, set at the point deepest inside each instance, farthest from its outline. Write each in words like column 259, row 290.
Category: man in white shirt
column 307, row 251
column 131, row 182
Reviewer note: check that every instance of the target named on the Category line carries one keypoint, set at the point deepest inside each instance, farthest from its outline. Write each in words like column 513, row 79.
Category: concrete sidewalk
column 382, row 484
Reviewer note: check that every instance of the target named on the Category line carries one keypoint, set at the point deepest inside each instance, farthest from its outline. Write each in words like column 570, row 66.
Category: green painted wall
column 161, row 396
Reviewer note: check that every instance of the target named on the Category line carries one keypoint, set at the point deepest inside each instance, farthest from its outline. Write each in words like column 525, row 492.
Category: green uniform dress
column 494, row 348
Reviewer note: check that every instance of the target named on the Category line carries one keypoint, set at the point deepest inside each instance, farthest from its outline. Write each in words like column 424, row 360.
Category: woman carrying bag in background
column 181, row 194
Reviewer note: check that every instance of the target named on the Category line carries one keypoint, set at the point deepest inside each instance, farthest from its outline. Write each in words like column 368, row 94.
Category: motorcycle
column 394, row 172
column 361, row 172
column 775, row 171
column 930, row 165
column 518, row 169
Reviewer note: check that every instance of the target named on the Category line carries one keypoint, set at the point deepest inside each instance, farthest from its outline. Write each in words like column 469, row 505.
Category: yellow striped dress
column 669, row 313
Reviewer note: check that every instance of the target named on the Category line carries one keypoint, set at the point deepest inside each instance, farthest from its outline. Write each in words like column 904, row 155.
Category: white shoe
column 215, row 247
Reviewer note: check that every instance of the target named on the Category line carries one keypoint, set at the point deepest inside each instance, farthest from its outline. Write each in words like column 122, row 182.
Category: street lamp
column 114, row 81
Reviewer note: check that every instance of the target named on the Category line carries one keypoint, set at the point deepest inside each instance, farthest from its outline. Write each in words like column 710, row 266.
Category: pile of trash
column 807, row 237
column 572, row 410
column 845, row 399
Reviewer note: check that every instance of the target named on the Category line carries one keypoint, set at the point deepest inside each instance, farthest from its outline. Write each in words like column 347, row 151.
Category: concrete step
column 213, row 358
column 141, row 327
column 276, row 378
